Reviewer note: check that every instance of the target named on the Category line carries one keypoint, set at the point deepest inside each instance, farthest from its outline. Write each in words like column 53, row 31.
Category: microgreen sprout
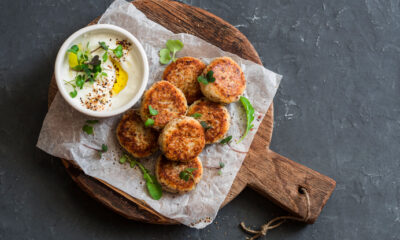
column 209, row 78
column 186, row 174
column 153, row 186
column 249, row 116
column 196, row 115
column 172, row 46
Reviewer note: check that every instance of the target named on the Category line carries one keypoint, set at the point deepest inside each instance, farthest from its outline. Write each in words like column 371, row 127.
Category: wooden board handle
column 279, row 179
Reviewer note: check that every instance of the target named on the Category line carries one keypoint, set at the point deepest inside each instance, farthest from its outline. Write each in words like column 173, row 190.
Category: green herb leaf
column 202, row 80
column 149, row 122
column 186, row 174
column 118, row 51
column 221, row 165
column 132, row 164
column 220, row 172
column 105, row 57
column 73, row 93
column 104, row 148
column 205, row 125
column 81, row 57
column 210, row 76
column 249, row 115
column 78, row 68
column 103, row 45
column 92, row 121
column 226, row 140
column 154, row 188
column 104, row 74
column 86, row 69
column 73, row 49
column 123, row 159
column 152, row 111
column 79, row 81
column 87, row 129
column 165, row 56
column 196, row 115
column 174, row 46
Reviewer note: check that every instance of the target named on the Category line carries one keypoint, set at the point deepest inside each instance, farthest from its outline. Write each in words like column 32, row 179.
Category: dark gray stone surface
column 337, row 111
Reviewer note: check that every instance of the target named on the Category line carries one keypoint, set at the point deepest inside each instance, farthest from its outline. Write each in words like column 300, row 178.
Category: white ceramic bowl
column 136, row 46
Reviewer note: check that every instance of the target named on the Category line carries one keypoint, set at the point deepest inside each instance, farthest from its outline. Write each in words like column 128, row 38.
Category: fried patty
column 134, row 137
column 182, row 139
column 167, row 173
column 183, row 74
column 215, row 115
column 167, row 99
column 229, row 83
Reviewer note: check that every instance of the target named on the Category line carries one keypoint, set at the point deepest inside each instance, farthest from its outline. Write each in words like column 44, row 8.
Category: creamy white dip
column 98, row 96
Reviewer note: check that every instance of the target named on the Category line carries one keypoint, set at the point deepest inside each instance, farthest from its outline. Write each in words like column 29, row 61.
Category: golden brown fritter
column 134, row 137
column 183, row 74
column 167, row 99
column 229, row 83
column 182, row 139
column 167, row 173
column 215, row 115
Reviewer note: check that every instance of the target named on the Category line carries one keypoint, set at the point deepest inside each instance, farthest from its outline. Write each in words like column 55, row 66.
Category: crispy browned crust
column 182, row 139
column 167, row 99
column 167, row 173
column 183, row 74
column 215, row 115
column 229, row 83
column 134, row 137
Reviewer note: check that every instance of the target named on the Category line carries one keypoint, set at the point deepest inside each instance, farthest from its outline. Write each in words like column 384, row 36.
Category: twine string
column 269, row 225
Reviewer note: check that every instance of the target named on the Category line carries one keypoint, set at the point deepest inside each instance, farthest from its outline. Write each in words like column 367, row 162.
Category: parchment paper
column 62, row 134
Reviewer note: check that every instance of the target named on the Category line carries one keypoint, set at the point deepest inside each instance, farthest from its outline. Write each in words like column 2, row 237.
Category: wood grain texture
column 269, row 173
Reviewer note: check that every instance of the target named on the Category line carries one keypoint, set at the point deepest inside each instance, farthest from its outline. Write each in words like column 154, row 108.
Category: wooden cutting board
column 263, row 170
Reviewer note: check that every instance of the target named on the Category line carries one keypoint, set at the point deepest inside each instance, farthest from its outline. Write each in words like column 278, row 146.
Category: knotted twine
column 268, row 226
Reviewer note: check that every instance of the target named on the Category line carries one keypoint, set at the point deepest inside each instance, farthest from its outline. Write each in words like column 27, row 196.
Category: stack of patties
column 183, row 131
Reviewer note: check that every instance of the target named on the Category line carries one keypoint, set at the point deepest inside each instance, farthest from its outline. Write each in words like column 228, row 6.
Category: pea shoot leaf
column 249, row 115
column 79, row 81
column 123, row 159
column 92, row 121
column 196, row 115
column 105, row 57
column 174, row 46
column 154, row 188
column 226, row 140
column 210, row 76
column 73, row 49
column 202, row 80
column 205, row 125
column 152, row 111
column 165, row 56
column 103, row 45
column 152, row 185
column 186, row 174
column 149, row 122
column 104, row 148
column 73, row 93
column 87, row 129
column 118, row 51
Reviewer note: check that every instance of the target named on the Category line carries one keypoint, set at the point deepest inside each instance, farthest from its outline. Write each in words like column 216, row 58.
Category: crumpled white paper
column 62, row 134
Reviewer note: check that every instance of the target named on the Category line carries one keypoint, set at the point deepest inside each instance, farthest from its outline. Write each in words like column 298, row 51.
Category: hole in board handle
column 301, row 189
